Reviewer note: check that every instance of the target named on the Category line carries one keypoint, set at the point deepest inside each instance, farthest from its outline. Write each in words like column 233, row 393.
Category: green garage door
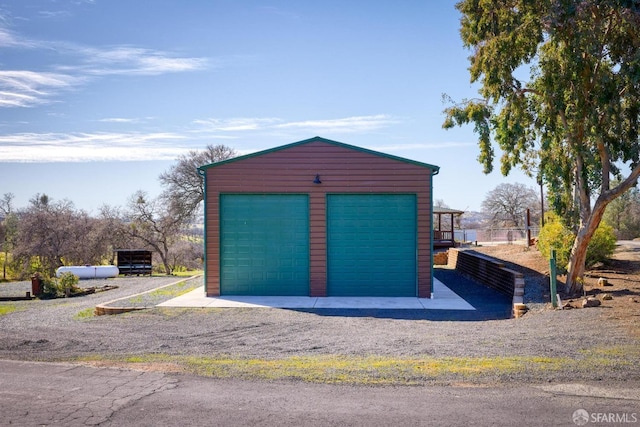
column 264, row 244
column 371, row 245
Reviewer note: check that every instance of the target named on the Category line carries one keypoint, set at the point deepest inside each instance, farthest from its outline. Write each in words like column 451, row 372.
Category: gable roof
column 435, row 169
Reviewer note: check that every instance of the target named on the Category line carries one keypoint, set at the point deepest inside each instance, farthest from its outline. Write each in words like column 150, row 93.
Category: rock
column 607, row 297
column 590, row 302
column 440, row 258
column 632, row 299
column 519, row 310
column 603, row 282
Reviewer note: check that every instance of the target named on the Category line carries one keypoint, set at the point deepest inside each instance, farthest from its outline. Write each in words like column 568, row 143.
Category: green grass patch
column 172, row 291
column 382, row 370
column 85, row 314
column 385, row 370
column 613, row 357
column 167, row 292
column 334, row 369
column 136, row 300
column 187, row 273
column 7, row 308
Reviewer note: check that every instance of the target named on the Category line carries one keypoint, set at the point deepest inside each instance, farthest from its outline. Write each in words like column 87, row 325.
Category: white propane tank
column 90, row 271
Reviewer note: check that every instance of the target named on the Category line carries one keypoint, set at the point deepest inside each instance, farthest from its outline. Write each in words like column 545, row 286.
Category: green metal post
column 553, row 278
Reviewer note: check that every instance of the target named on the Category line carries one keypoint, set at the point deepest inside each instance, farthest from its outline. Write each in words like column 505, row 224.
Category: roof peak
column 434, row 168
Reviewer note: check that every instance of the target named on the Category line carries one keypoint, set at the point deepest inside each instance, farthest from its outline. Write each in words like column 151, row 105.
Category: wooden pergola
column 443, row 235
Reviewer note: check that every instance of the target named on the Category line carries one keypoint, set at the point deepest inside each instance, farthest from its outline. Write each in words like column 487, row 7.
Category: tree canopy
column 560, row 94
column 183, row 185
column 507, row 204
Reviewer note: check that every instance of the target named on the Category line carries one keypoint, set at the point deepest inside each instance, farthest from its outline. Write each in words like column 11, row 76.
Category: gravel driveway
column 53, row 330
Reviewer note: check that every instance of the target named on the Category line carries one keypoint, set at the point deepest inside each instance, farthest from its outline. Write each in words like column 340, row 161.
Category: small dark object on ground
column 590, row 302
column 27, row 296
column 93, row 290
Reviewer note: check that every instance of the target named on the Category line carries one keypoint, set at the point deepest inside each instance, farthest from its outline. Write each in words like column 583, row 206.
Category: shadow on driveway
column 488, row 303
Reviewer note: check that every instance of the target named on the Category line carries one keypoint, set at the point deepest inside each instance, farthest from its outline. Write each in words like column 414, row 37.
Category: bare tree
column 8, row 229
column 112, row 231
column 507, row 204
column 55, row 233
column 155, row 225
column 187, row 253
column 91, row 244
column 184, row 187
column 440, row 203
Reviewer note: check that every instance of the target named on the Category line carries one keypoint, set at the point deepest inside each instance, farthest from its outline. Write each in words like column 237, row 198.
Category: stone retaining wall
column 488, row 271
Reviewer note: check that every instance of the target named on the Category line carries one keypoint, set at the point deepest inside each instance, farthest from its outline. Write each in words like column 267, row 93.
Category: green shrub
column 9, row 267
column 60, row 287
column 602, row 244
column 50, row 287
column 554, row 235
column 69, row 281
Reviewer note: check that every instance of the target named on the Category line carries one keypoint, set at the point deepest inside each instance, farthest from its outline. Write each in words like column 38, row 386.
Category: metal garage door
column 264, row 244
column 371, row 245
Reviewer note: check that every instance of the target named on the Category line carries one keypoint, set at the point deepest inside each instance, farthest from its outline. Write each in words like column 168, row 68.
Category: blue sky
column 98, row 97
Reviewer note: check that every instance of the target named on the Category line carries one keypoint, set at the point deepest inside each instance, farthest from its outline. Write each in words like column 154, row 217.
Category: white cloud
column 54, row 14
column 99, row 146
column 237, row 124
column 26, row 88
column 123, row 60
column 347, row 124
column 21, row 88
column 425, row 145
column 126, row 146
column 120, row 120
column 9, row 39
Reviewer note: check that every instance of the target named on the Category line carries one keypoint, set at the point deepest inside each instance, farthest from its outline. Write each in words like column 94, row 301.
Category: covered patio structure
column 443, row 226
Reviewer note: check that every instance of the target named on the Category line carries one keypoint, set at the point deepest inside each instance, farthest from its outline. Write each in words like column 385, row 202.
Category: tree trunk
column 589, row 222
column 165, row 262
column 575, row 276
column 4, row 264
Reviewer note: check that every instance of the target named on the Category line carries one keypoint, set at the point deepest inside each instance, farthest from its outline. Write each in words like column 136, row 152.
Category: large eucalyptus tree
column 560, row 95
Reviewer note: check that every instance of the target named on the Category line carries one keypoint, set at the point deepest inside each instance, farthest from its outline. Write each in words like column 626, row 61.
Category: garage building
column 318, row 218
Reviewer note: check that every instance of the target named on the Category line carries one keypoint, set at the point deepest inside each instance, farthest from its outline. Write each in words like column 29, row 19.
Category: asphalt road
column 34, row 393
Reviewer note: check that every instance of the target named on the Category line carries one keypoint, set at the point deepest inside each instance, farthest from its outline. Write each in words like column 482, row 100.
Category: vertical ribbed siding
column 342, row 170
column 318, row 244
column 212, row 281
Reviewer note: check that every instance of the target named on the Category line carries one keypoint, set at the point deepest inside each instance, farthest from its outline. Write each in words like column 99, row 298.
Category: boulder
column 603, row 282
column 590, row 302
column 607, row 297
column 440, row 258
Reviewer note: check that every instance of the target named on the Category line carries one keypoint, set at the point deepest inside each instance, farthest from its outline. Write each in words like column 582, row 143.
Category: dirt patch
column 622, row 272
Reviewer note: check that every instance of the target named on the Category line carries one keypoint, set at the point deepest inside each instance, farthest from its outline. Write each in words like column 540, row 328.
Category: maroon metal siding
column 342, row 170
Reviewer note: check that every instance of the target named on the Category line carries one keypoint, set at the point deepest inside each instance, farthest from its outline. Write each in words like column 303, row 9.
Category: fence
column 496, row 235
